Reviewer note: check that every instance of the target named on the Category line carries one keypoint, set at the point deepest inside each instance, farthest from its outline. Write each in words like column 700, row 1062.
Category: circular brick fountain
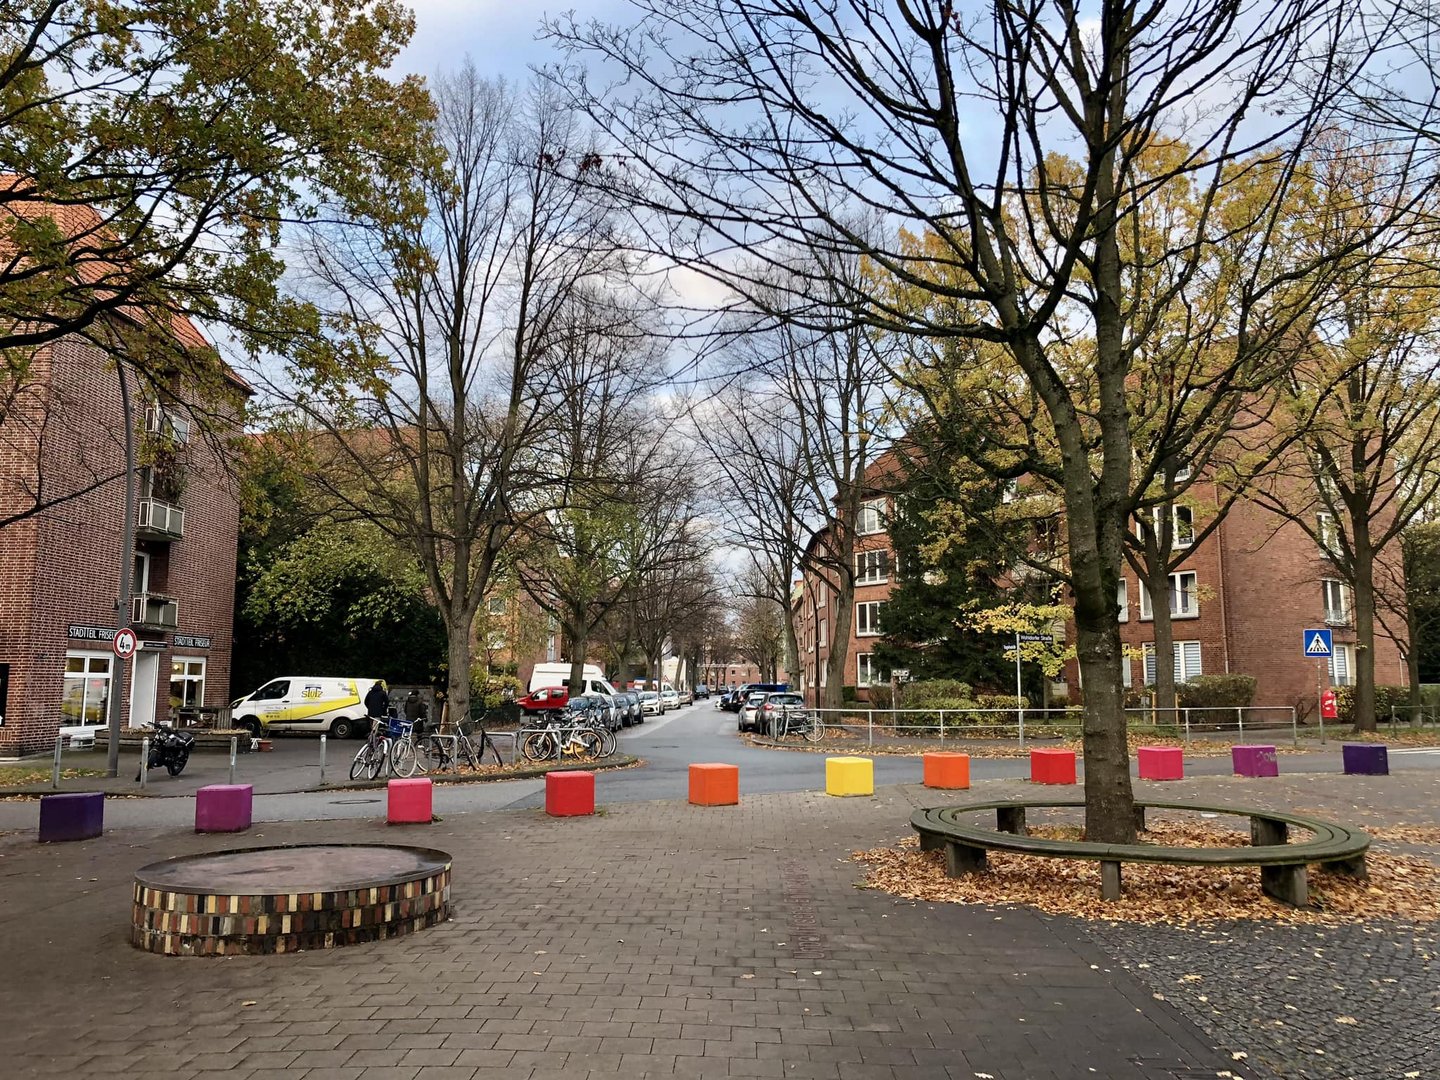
column 284, row 899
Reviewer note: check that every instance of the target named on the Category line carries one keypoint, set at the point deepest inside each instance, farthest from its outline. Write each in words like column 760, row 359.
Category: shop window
column 86, row 696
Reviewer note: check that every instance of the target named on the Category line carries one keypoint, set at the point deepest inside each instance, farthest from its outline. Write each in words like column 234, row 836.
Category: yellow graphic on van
column 297, row 713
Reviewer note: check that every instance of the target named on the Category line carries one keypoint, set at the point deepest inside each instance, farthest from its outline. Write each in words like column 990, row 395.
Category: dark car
column 701, row 691
column 627, row 703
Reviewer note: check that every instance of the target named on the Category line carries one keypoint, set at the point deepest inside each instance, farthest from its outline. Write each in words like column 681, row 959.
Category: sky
column 499, row 35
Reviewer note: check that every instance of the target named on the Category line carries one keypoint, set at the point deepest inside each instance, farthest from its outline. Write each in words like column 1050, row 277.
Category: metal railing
column 1021, row 724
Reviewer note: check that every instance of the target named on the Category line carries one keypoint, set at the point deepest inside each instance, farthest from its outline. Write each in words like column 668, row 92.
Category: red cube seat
column 1052, row 766
column 569, row 793
column 1161, row 763
column 410, row 802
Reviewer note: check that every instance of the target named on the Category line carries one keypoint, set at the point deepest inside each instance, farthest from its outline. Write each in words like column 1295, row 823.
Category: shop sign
column 78, row 632
column 189, row 641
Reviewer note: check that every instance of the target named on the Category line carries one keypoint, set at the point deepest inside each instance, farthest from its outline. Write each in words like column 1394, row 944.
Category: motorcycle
column 169, row 748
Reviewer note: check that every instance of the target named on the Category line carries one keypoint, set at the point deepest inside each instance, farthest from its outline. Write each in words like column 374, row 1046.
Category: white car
column 650, row 703
column 670, row 699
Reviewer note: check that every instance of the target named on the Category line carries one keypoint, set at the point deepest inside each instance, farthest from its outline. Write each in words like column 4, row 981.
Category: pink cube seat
column 410, row 802
column 1161, row 763
column 224, row 807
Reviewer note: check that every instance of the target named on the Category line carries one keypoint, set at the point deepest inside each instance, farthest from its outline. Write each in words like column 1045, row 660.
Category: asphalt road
column 667, row 744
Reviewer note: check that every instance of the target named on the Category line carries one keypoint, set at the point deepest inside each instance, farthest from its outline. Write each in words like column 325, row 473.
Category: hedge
column 1385, row 696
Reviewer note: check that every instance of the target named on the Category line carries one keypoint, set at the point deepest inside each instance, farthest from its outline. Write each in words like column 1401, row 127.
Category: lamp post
column 127, row 564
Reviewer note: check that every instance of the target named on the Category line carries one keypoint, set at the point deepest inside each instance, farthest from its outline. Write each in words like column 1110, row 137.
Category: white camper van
column 305, row 703
column 593, row 679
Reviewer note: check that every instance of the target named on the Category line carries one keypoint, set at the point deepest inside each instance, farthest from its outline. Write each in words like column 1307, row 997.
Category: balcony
column 159, row 520
column 1337, row 617
column 152, row 611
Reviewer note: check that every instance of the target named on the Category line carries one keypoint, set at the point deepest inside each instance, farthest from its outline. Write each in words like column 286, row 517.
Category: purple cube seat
column 74, row 816
column 224, row 807
column 1365, row 759
column 1254, row 761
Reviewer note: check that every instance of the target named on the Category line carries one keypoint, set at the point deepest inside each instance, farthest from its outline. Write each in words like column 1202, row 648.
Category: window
column 86, row 697
column 1337, row 602
column 1127, row 680
column 823, row 634
column 1327, row 535
column 496, row 605
column 274, row 691
column 1182, row 525
column 140, row 580
column 1187, row 661
column 1010, row 489
column 867, row 618
column 1123, row 598
column 869, row 521
column 1342, row 667
column 187, row 682
column 1183, row 602
column 824, row 671
column 1182, row 472
column 872, row 567
column 864, row 669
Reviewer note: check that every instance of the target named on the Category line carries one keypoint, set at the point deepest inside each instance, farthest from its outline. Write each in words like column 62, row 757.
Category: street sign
column 1317, row 644
column 1329, row 707
column 1043, row 639
column 901, row 674
column 124, row 643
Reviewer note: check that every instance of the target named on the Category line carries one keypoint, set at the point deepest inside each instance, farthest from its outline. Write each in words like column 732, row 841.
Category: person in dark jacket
column 377, row 701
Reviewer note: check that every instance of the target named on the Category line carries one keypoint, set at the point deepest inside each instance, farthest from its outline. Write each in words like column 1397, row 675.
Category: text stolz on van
column 333, row 706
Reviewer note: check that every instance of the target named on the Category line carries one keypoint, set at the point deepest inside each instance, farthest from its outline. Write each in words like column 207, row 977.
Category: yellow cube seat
column 849, row 776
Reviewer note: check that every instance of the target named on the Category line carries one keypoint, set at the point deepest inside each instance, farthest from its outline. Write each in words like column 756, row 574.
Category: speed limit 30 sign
column 124, row 643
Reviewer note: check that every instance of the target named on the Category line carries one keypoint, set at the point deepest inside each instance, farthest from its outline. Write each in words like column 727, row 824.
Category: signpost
column 1027, row 639
column 1319, row 644
column 124, row 644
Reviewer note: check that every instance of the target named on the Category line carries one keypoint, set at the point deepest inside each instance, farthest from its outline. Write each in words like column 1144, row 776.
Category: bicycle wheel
column 539, row 746
column 608, row 742
column 404, row 759
column 465, row 751
column 487, row 751
column 361, row 765
column 434, row 755
column 587, row 742
column 815, row 730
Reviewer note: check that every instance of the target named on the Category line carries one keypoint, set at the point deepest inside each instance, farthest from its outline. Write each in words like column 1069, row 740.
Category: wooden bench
column 1282, row 864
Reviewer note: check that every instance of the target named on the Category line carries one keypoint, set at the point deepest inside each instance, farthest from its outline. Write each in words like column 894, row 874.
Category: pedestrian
column 414, row 707
column 377, row 701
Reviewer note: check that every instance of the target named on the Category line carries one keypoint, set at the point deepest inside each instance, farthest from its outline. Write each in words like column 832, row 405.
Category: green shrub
column 1212, row 699
column 880, row 696
column 1001, row 701
column 1385, row 697
column 851, row 694
column 918, row 695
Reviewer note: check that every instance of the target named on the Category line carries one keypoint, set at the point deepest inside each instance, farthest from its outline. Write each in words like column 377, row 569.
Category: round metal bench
column 1338, row 848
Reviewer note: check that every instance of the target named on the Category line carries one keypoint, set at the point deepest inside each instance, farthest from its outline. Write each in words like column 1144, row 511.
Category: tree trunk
column 833, row 694
column 578, row 645
column 1159, row 586
column 1364, row 697
column 458, row 627
column 1412, row 657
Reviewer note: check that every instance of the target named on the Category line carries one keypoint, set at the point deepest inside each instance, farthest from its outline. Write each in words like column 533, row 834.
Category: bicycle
column 563, row 733
column 804, row 724
column 405, row 748
column 447, row 751
column 374, row 757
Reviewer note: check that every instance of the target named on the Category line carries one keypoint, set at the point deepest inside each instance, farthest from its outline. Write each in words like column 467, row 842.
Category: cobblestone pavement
column 659, row 939
column 1359, row 1002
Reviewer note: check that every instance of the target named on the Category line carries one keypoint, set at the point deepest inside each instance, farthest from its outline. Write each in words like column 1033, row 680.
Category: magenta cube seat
column 1254, row 761
column 224, row 807
column 1365, row 759
column 410, row 802
column 1161, row 763
column 570, row 793
column 73, row 816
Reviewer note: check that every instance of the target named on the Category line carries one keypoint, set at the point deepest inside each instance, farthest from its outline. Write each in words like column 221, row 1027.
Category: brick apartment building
column 1240, row 600
column 60, row 568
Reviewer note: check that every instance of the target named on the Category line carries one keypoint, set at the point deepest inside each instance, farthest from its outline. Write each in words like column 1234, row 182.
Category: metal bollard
column 1239, row 719
column 1294, row 728
column 942, row 729
column 55, row 776
column 144, row 760
column 1022, row 727
column 322, row 760
column 234, row 746
column 1187, row 726
column 870, row 726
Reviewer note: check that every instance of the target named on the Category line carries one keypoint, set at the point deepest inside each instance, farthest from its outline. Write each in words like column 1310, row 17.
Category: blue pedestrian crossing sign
column 1317, row 644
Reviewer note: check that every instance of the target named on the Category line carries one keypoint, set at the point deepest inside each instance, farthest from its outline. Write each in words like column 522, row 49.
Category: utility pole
column 127, row 564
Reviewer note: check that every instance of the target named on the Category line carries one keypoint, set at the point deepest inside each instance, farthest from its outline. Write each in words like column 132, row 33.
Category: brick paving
column 655, row 939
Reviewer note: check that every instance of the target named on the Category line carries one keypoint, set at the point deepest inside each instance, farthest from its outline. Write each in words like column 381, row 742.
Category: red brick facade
column 60, row 570
column 1257, row 585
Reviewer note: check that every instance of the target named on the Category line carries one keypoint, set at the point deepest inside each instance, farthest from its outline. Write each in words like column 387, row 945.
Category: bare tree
column 449, row 341
column 1012, row 142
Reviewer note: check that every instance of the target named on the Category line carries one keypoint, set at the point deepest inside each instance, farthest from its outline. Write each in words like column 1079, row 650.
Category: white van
column 595, row 684
column 305, row 703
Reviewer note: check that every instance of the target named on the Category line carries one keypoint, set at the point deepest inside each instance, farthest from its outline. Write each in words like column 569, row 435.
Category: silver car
column 750, row 710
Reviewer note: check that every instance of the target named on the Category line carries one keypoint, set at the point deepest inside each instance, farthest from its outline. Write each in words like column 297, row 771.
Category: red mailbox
column 1329, row 710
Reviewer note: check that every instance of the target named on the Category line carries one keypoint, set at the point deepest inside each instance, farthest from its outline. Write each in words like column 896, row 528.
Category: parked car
column 701, row 691
column 670, row 698
column 546, row 699
column 650, row 703
column 686, row 697
column 750, row 710
column 776, row 707
column 312, row 703
column 741, row 693
column 628, row 702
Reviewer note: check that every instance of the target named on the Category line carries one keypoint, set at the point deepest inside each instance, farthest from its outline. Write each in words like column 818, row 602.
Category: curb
column 617, row 761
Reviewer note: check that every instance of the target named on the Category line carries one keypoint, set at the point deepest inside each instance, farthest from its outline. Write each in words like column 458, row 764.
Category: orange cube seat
column 714, row 784
column 946, row 769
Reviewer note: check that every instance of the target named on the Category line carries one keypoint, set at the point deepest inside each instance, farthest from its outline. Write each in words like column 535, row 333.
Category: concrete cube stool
column 224, row 807
column 410, row 802
column 849, row 776
column 1052, row 766
column 570, row 793
column 1254, row 761
column 714, row 784
column 76, row 816
column 945, row 769
column 1161, row 763
column 1365, row 759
